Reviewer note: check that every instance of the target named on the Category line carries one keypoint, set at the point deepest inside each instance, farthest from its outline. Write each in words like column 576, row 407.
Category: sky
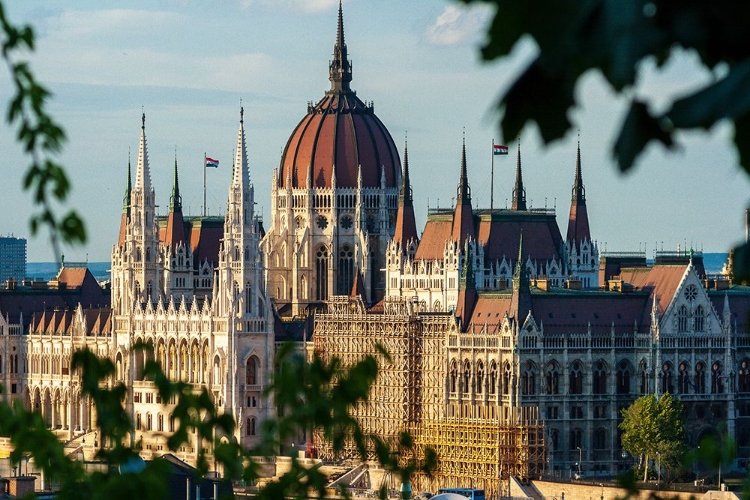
column 188, row 65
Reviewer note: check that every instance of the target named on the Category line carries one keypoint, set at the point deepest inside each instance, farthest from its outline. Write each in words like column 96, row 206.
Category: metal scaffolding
column 479, row 443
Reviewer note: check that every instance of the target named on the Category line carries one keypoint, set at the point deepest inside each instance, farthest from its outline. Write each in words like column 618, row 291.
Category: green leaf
column 638, row 129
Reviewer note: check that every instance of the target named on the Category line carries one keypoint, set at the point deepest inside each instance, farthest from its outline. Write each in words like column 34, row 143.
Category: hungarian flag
column 497, row 149
column 210, row 162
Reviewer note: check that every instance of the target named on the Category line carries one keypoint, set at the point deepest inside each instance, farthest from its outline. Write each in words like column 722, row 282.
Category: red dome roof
column 339, row 134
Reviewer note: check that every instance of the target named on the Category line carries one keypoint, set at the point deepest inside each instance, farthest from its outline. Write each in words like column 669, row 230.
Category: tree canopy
column 654, row 428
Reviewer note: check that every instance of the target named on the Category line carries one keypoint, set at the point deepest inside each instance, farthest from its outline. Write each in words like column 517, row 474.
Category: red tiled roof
column 661, row 280
column 436, row 233
column 73, row 277
column 500, row 233
column 566, row 312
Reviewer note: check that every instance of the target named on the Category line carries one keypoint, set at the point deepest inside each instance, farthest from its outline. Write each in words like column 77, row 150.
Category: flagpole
column 492, row 175
column 204, row 184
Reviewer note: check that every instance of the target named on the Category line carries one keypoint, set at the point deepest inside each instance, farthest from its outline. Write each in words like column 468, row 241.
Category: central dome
column 339, row 135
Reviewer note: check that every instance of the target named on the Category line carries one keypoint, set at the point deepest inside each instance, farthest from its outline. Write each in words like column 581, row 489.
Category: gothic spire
column 340, row 69
column 125, row 208
column 406, row 225
column 519, row 193
column 464, row 191
column 520, row 302
column 463, row 215
column 143, row 173
column 578, row 220
column 579, row 192
column 175, row 232
column 241, row 172
column 128, row 189
column 175, row 200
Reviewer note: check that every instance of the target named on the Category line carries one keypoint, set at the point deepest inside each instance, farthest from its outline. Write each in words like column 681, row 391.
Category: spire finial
column 242, row 113
column 143, row 119
column 340, row 70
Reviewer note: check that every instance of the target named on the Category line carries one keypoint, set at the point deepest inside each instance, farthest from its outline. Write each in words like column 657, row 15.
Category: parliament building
column 514, row 345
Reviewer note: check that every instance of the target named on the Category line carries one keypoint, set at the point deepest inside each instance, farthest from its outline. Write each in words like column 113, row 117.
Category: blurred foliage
column 42, row 139
column 614, row 38
column 314, row 396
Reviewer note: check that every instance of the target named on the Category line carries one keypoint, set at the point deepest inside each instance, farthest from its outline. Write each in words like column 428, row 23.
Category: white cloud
column 293, row 5
column 457, row 25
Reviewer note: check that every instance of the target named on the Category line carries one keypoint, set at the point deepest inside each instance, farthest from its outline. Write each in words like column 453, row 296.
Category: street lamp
column 580, row 459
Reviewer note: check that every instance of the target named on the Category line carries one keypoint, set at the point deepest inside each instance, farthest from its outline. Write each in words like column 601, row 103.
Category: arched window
column 321, row 274
column 528, row 379
column 553, row 379
column 346, row 271
column 666, row 378
column 160, row 422
column 600, row 439
column 600, row 378
column 148, row 422
column 576, row 439
column 493, row 377
column 744, row 376
column 717, row 379
column 251, row 371
column 700, row 378
column 576, row 379
column 467, row 377
column 453, row 375
column 700, row 319
column 248, row 298
column 683, row 380
column 682, row 320
column 623, row 378
column 506, row 378
column 149, row 289
column 643, row 371
column 479, row 378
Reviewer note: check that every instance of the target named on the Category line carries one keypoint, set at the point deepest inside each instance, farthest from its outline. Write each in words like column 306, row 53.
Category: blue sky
column 188, row 64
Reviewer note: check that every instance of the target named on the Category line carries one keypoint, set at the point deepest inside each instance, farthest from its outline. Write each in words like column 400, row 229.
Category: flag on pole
column 210, row 162
column 497, row 149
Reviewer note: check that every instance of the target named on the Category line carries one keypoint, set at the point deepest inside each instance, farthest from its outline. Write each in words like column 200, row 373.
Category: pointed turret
column 463, row 216
column 125, row 207
column 520, row 303
column 519, row 193
column 340, row 69
column 241, row 172
column 578, row 221
column 142, row 172
column 175, row 233
column 467, row 289
column 406, row 226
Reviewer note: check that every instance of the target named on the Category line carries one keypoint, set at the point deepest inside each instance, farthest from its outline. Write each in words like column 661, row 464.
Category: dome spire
column 340, row 69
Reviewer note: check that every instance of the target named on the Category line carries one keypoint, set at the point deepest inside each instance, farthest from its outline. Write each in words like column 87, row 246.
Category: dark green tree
column 654, row 429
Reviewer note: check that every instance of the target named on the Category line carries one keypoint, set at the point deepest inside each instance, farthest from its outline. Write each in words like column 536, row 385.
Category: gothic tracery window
column 623, row 378
column 346, row 270
column 321, row 274
column 666, row 379
column 552, row 379
column 682, row 320
column 600, row 378
column 744, row 376
column 576, row 379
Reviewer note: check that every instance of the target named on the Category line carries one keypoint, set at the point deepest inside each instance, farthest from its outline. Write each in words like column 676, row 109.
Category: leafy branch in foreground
column 41, row 137
column 312, row 396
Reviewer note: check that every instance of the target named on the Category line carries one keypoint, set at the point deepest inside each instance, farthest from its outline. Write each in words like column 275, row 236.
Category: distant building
column 12, row 258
